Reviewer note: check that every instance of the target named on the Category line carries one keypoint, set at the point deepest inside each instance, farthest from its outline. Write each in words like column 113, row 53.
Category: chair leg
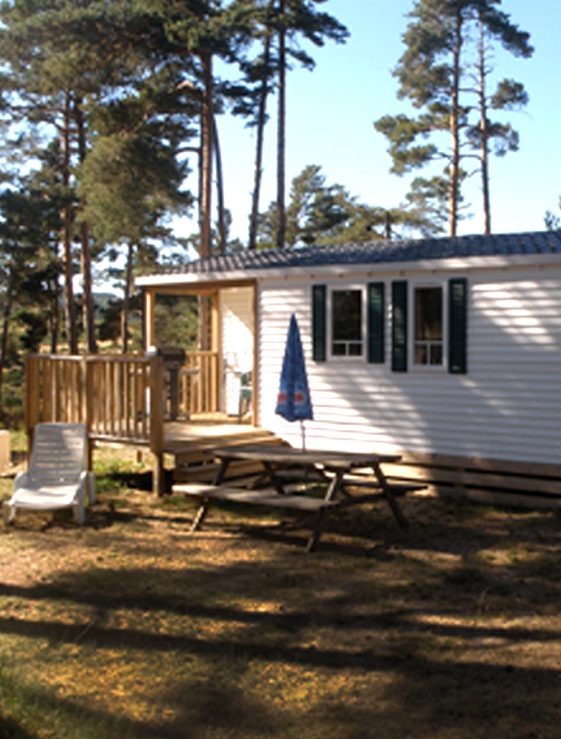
column 79, row 514
column 9, row 513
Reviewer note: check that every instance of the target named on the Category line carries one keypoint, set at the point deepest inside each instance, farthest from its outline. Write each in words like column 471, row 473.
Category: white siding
column 236, row 328
column 507, row 406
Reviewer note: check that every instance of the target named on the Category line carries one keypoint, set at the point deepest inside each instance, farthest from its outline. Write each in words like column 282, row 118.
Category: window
column 346, row 323
column 428, row 326
column 356, row 324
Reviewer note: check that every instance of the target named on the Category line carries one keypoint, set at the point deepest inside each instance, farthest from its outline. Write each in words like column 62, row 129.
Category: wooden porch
column 125, row 399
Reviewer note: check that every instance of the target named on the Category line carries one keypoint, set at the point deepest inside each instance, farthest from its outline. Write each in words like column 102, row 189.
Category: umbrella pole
column 304, row 451
column 306, row 480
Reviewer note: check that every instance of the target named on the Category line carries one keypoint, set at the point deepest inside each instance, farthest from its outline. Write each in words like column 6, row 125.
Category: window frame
column 412, row 343
column 362, row 289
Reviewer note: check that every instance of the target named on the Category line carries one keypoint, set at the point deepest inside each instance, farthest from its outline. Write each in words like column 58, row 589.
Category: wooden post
column 31, row 392
column 157, row 423
column 214, row 374
column 87, row 409
column 31, row 398
column 149, row 318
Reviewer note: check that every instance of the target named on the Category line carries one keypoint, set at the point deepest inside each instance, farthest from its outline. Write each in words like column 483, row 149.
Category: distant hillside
column 102, row 300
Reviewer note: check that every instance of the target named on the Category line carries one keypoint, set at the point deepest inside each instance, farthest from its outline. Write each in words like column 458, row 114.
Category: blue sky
column 331, row 111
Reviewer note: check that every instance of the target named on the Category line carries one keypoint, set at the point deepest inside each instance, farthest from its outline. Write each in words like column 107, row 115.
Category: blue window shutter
column 399, row 326
column 457, row 323
column 376, row 314
column 319, row 333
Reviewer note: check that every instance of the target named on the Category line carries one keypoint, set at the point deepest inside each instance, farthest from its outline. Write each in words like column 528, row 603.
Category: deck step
column 202, row 435
column 196, row 462
column 197, row 456
column 207, row 472
column 200, row 451
column 194, row 456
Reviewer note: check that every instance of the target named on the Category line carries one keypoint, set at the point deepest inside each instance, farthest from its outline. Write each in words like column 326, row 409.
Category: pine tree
column 131, row 180
column 27, row 223
column 551, row 220
column 296, row 19
column 431, row 73
column 320, row 213
column 509, row 95
column 61, row 54
column 281, row 26
column 260, row 71
column 72, row 61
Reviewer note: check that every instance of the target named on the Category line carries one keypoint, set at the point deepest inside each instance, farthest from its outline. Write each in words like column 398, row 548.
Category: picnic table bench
column 340, row 471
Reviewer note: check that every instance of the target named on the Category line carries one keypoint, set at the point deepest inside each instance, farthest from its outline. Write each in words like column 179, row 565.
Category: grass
column 133, row 627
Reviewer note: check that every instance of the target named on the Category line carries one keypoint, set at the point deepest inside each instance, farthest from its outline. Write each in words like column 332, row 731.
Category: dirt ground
column 134, row 626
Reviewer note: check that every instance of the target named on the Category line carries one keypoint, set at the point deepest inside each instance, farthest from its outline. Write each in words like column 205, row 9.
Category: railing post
column 157, row 423
column 32, row 397
column 31, row 392
column 87, row 406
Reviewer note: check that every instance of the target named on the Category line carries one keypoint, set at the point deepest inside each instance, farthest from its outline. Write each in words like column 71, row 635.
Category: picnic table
column 341, row 472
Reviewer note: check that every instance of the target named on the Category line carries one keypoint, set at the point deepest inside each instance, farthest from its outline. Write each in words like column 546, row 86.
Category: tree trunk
column 5, row 332
column 453, row 192
column 126, row 298
column 484, row 134
column 261, row 116
column 281, row 132
column 222, row 237
column 54, row 318
column 85, row 256
column 70, row 309
column 87, row 286
column 387, row 225
column 205, row 194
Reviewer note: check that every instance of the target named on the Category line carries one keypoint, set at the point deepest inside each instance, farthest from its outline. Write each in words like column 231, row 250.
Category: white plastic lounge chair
column 57, row 475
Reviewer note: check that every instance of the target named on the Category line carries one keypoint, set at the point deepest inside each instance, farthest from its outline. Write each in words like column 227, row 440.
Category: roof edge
column 248, row 276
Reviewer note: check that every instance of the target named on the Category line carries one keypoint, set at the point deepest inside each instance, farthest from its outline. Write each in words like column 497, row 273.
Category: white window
column 428, row 325
column 347, row 322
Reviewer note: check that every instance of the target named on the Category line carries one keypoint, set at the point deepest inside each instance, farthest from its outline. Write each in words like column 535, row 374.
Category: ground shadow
column 450, row 622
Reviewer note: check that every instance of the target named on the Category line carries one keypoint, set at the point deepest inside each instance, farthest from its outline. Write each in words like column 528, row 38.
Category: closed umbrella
column 293, row 401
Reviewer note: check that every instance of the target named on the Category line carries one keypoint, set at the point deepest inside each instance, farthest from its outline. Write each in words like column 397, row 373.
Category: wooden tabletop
column 287, row 455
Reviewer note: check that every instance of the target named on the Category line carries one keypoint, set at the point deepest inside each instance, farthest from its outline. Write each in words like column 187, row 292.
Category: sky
column 331, row 110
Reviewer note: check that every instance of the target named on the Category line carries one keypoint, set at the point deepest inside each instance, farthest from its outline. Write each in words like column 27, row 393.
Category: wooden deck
column 191, row 445
column 124, row 400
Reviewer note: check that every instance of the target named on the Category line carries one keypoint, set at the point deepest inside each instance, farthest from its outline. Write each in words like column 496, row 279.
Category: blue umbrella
column 293, row 401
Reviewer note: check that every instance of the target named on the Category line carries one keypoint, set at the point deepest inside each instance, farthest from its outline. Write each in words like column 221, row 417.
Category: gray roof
column 378, row 252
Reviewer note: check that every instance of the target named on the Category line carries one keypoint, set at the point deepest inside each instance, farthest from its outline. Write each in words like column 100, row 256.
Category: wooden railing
column 199, row 384
column 120, row 398
column 55, row 389
column 115, row 394
column 124, row 399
